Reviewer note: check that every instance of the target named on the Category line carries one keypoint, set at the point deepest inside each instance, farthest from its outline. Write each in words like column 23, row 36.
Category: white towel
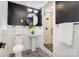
column 66, row 33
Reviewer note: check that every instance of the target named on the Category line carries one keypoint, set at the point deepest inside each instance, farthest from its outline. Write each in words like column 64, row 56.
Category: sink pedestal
column 33, row 44
column 33, row 38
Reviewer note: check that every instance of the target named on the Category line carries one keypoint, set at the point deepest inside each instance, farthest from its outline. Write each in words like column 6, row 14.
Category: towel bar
column 75, row 23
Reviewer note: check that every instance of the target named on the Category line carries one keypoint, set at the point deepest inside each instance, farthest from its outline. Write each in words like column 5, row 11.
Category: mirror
column 35, row 19
column 32, row 18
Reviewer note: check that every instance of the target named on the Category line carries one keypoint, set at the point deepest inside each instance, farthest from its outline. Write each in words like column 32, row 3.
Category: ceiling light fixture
column 35, row 11
column 29, row 10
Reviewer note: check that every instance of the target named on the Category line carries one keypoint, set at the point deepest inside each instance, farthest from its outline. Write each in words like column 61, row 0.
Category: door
column 47, row 11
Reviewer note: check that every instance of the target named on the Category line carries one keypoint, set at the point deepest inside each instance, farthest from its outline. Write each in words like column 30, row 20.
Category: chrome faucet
column 32, row 32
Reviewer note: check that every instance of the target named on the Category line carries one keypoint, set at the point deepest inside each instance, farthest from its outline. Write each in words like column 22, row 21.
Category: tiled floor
column 29, row 53
column 49, row 47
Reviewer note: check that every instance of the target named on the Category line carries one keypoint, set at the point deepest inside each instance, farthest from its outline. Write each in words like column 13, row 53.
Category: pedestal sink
column 33, row 35
column 33, row 38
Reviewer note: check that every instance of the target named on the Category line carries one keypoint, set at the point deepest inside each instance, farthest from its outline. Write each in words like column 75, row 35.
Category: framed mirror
column 32, row 19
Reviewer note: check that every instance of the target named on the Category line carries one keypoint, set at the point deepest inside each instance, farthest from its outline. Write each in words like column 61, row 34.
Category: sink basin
column 34, row 35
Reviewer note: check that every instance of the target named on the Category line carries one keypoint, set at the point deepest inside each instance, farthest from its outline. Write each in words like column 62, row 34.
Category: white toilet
column 18, row 47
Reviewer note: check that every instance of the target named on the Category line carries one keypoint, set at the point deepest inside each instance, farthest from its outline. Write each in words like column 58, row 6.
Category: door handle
column 51, row 30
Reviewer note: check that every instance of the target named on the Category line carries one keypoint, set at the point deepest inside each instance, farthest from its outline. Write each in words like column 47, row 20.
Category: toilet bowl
column 18, row 47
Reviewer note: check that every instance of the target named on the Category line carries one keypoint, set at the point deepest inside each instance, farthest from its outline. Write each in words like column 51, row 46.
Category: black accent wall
column 16, row 12
column 70, row 12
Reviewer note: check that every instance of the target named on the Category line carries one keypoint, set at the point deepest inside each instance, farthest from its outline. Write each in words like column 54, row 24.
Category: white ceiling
column 34, row 4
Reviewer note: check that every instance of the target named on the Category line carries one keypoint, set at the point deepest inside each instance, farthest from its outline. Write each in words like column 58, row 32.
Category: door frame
column 51, row 54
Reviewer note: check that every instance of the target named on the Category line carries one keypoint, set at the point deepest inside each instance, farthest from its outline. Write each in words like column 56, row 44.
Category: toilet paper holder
column 2, row 45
